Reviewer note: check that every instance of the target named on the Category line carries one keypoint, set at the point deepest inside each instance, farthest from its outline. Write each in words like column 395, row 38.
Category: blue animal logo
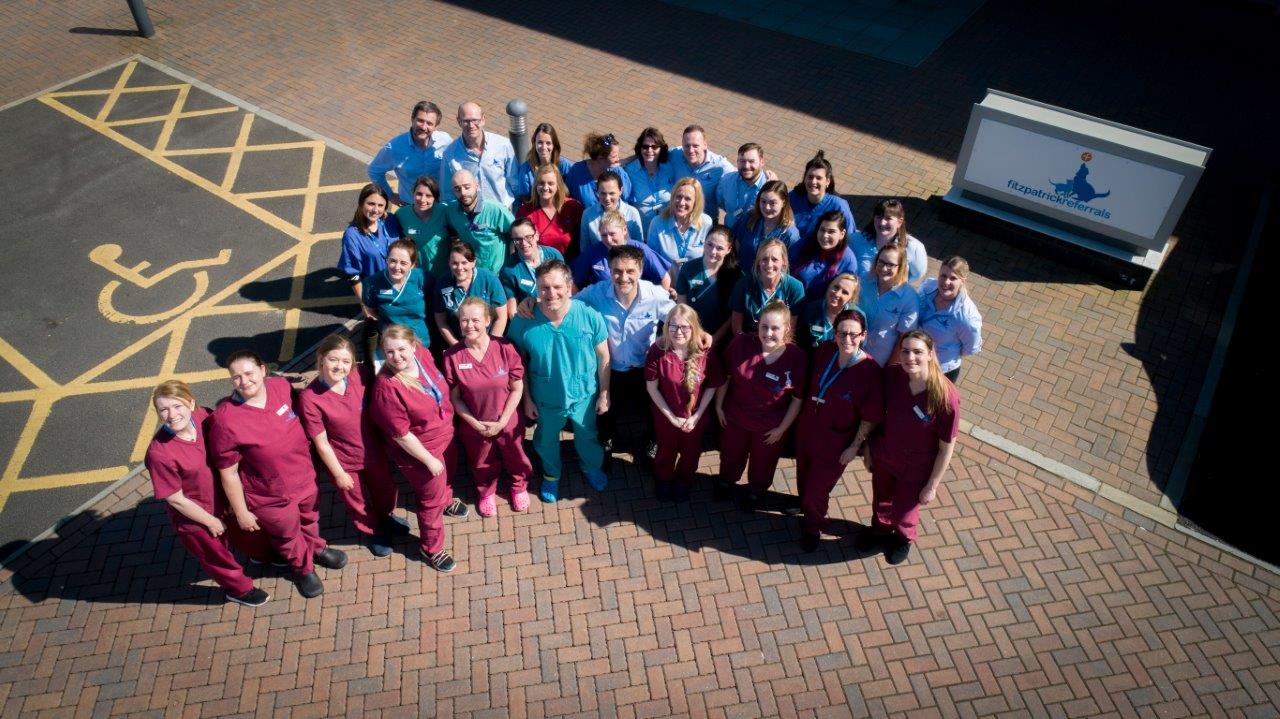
column 1078, row 187
column 1063, row 188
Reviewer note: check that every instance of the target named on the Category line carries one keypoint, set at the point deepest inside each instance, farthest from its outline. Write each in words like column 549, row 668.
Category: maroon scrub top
column 759, row 394
column 485, row 384
column 909, row 432
column 667, row 369
column 342, row 419
column 268, row 444
column 177, row 465
column 399, row 409
column 854, row 395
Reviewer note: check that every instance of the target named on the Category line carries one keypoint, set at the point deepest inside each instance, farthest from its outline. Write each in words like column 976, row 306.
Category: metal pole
column 519, row 133
column 141, row 18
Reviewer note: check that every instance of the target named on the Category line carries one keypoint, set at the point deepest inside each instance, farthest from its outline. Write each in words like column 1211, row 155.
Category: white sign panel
column 1092, row 186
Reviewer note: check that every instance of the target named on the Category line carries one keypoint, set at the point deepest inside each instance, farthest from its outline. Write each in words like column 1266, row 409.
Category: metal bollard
column 141, row 18
column 519, row 132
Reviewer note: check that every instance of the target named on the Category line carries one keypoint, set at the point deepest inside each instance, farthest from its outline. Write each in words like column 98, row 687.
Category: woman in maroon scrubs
column 178, row 462
column 486, row 380
column 264, row 460
column 843, row 404
column 913, row 449
column 411, row 406
column 759, row 402
column 681, row 377
column 334, row 417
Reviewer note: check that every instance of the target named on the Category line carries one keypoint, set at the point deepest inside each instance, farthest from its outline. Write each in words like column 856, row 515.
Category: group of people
column 498, row 294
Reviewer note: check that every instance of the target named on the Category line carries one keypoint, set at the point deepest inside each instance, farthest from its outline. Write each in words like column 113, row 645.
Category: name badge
column 695, row 283
column 772, row 376
column 386, row 292
column 526, row 283
column 283, row 409
column 466, row 365
column 817, row 329
column 919, row 412
column 413, row 232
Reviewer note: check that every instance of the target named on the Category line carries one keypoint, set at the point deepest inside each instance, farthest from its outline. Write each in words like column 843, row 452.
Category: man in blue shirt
column 411, row 155
column 693, row 159
column 633, row 310
column 593, row 264
column 486, row 155
column 736, row 193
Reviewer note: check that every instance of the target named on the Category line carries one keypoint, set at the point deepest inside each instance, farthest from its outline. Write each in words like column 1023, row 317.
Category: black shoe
column 379, row 544
column 793, row 508
column 680, row 495
column 394, row 526
column 253, row 598
column 651, row 450
column 750, row 501
column 867, row 540
column 275, row 562
column 721, row 490
column 809, row 542
column 607, row 445
column 331, row 558
column 309, row 586
column 662, row 490
column 440, row 561
column 897, row 553
column 456, row 508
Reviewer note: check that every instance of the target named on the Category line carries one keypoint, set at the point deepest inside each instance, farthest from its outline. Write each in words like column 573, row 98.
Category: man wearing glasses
column 489, row 158
column 411, row 155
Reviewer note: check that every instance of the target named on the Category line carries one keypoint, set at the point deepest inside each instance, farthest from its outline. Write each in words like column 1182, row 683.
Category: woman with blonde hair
column 913, row 449
column 680, row 230
column 769, row 280
column 891, row 306
column 949, row 316
column 555, row 216
column 411, row 405
column 178, row 462
column 681, row 377
column 817, row 318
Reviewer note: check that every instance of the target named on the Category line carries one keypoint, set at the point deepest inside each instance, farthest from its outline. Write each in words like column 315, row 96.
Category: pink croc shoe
column 487, row 506
column 520, row 501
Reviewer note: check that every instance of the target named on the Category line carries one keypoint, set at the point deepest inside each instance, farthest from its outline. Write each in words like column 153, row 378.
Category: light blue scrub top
column 889, row 315
column 632, row 330
column 956, row 331
column 494, row 168
column 403, row 156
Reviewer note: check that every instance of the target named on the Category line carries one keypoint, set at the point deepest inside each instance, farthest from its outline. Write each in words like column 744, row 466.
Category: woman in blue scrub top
column 519, row 272
column 889, row 225
column 651, row 175
column 603, row 153
column 816, row 195
column 544, row 150
column 706, row 282
column 397, row 295
column 366, row 239
column 950, row 317
column 769, row 219
column 816, row 261
column 466, row 280
column 818, row 316
column 889, row 303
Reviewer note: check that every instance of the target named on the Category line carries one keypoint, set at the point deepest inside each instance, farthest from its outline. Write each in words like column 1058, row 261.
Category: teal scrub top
column 448, row 296
column 516, row 277
column 561, row 361
column 486, row 232
column 406, row 306
column 748, row 298
column 431, row 237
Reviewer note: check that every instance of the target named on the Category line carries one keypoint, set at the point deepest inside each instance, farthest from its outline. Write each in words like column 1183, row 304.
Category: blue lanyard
column 429, row 386
column 683, row 238
column 708, row 283
column 829, row 378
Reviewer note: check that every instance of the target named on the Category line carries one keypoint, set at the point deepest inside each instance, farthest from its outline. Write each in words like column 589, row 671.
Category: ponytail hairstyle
column 779, row 307
column 401, row 332
column 730, row 271
column 888, row 208
column 409, row 246
column 939, row 387
column 820, row 162
column 474, row 301
column 695, row 363
column 857, row 289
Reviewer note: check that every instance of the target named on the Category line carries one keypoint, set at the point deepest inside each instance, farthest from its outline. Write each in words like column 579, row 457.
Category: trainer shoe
column 897, row 551
column 331, row 558
column 598, row 479
column 379, row 544
column 550, row 490
column 487, row 506
column 309, row 586
column 456, row 508
column 253, row 598
column 519, row 501
column 440, row 561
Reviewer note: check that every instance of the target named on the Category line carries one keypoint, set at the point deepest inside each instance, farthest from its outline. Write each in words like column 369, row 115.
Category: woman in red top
column 264, row 460
column 913, row 449
column 556, row 216
column 843, row 404
column 178, row 463
column 486, row 380
column 681, row 377
column 334, row 419
column 411, row 405
column 759, row 402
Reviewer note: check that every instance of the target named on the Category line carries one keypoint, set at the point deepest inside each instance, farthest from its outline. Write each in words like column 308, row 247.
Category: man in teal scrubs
column 566, row 349
column 481, row 223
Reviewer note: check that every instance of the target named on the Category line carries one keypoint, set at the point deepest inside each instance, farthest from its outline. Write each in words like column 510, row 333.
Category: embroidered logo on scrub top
column 502, row 372
column 413, row 231
column 284, row 409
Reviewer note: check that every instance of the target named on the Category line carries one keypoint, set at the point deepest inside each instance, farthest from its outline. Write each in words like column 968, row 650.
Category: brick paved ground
column 1029, row 595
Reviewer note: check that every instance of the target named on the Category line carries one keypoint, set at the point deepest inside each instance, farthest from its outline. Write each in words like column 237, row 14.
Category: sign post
column 1113, row 190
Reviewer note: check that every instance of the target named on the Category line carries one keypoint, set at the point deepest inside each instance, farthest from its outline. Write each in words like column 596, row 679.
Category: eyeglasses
column 679, row 329
column 525, row 238
column 887, row 265
column 651, row 147
column 468, row 121
column 847, row 335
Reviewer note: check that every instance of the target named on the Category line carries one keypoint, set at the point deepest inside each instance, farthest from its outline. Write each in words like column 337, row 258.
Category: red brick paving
column 1029, row 596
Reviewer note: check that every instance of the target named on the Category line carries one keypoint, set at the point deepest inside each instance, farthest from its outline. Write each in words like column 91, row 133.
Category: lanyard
column 429, row 386
column 764, row 299
column 708, row 283
column 829, row 378
column 683, row 238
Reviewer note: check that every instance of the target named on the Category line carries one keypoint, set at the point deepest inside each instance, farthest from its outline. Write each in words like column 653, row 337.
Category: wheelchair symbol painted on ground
column 108, row 257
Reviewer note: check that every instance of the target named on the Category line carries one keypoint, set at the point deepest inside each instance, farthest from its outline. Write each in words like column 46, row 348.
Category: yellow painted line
column 49, row 481
column 299, row 145
column 181, row 116
column 302, row 191
column 22, row 449
column 171, row 120
column 123, row 91
column 256, row 307
column 53, row 394
column 26, row 367
column 237, row 153
column 114, row 93
column 168, row 364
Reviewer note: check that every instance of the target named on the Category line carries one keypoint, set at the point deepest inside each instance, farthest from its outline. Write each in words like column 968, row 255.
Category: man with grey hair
column 489, row 158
